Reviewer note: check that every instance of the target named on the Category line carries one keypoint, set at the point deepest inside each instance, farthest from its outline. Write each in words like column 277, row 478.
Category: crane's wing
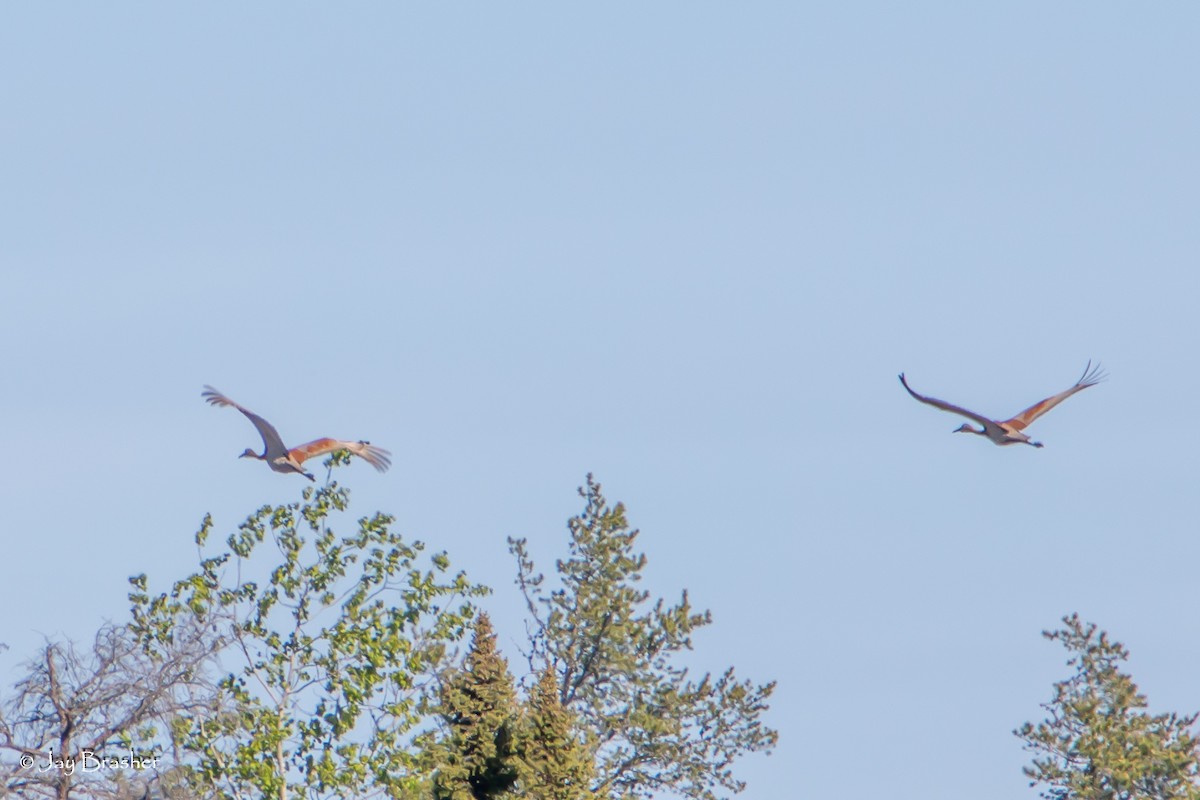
column 953, row 409
column 1091, row 376
column 377, row 457
column 270, row 436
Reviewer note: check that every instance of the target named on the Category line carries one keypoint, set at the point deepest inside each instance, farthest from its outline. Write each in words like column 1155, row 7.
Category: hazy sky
column 684, row 246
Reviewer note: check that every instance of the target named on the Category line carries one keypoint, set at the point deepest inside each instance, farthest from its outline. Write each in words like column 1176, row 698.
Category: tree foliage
column 336, row 649
column 555, row 764
column 479, row 760
column 1098, row 742
column 299, row 662
column 496, row 746
column 648, row 726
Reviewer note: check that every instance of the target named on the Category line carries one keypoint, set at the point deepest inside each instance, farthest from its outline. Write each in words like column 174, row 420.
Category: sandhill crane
column 1010, row 430
column 281, row 459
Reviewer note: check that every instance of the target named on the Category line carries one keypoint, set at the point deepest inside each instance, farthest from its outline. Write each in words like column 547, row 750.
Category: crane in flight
column 1011, row 431
column 282, row 459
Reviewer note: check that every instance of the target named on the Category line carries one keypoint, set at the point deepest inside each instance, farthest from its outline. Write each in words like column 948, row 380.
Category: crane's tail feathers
column 377, row 457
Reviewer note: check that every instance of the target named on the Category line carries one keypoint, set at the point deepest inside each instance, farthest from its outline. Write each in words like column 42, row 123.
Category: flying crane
column 1011, row 431
column 282, row 459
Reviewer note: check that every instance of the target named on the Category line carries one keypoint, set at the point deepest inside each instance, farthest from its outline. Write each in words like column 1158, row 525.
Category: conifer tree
column 648, row 727
column 478, row 760
column 1098, row 742
column 556, row 765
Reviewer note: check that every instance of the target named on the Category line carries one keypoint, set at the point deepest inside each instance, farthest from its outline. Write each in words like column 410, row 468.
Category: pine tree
column 556, row 765
column 648, row 726
column 479, row 760
column 1098, row 743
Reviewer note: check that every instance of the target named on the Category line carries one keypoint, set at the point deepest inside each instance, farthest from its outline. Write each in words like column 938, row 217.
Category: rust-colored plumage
column 1011, row 431
column 282, row 459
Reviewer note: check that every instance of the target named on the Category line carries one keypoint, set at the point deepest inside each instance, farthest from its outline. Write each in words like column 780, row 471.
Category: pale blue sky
column 685, row 246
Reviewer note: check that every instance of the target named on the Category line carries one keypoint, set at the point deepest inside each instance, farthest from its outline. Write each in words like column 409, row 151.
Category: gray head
column 250, row 454
column 965, row 428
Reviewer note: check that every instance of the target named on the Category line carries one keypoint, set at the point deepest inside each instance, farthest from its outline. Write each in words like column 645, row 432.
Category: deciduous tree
column 93, row 723
column 334, row 647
